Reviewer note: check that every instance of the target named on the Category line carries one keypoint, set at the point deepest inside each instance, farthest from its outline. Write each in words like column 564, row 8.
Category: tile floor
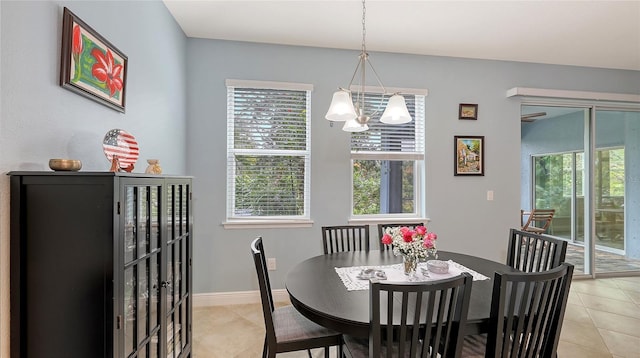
column 602, row 320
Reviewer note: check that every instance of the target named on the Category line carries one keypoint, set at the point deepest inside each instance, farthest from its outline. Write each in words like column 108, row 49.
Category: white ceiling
column 602, row 34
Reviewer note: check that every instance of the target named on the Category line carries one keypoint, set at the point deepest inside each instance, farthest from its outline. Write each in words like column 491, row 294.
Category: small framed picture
column 91, row 66
column 468, row 111
column 469, row 155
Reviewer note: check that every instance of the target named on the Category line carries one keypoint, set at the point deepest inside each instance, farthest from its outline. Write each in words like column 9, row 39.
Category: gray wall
column 40, row 120
column 464, row 220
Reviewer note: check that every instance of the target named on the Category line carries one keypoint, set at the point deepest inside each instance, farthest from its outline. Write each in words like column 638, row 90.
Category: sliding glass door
column 582, row 162
column 616, row 190
column 553, row 145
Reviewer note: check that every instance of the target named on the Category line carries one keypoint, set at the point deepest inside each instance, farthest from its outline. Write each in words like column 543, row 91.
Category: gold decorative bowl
column 71, row 165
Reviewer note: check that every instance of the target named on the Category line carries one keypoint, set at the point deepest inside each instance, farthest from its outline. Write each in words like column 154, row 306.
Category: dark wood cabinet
column 100, row 265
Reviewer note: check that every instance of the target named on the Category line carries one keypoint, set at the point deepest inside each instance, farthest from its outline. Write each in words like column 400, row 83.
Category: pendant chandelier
column 355, row 117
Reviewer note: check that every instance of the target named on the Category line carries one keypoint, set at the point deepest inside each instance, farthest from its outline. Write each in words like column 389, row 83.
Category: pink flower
column 428, row 243
column 106, row 71
column 432, row 236
column 421, row 230
column 387, row 239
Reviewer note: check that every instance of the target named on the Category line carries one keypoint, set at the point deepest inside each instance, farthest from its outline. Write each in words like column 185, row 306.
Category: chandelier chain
column 364, row 29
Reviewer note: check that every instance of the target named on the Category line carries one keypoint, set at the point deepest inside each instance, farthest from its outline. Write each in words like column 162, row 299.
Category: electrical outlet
column 271, row 264
column 490, row 195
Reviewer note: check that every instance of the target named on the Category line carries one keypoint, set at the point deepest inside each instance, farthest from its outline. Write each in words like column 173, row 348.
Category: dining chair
column 345, row 238
column 405, row 305
column 531, row 252
column 527, row 310
column 538, row 220
column 383, row 227
column 286, row 329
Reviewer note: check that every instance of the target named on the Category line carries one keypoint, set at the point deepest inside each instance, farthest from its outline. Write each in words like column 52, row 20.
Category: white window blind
column 391, row 141
column 268, row 151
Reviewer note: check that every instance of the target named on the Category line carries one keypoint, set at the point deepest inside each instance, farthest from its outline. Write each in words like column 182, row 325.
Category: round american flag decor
column 123, row 145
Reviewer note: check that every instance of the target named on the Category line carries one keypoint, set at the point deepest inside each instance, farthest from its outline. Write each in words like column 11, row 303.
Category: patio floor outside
column 605, row 261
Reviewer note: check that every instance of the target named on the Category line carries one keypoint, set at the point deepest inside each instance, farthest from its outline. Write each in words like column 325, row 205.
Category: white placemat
column 395, row 273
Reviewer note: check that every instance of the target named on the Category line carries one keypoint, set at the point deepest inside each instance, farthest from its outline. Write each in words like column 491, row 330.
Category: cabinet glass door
column 178, row 269
column 142, row 254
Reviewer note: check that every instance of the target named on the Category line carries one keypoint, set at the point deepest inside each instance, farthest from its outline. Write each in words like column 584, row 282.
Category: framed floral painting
column 91, row 66
column 469, row 155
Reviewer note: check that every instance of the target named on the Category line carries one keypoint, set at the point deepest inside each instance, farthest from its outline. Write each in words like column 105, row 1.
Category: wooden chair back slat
column 257, row 251
column 423, row 319
column 538, row 220
column 527, row 311
column 345, row 238
column 531, row 252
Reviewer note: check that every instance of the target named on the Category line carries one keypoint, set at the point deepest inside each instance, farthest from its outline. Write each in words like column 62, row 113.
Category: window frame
column 417, row 157
column 238, row 222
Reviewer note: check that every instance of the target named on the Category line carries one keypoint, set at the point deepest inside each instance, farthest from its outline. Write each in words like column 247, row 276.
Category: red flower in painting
column 77, row 41
column 106, row 71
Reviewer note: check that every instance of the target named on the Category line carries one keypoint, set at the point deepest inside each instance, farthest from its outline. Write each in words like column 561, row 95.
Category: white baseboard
column 235, row 298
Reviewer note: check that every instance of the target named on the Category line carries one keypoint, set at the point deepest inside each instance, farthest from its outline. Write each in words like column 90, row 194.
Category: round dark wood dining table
column 315, row 289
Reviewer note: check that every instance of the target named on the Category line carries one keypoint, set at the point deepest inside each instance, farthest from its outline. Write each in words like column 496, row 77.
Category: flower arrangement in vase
column 413, row 245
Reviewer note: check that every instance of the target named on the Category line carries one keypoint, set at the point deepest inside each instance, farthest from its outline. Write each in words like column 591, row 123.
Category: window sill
column 386, row 220
column 266, row 224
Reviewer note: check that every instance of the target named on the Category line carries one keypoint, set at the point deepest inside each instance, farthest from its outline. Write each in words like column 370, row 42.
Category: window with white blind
column 268, row 150
column 387, row 162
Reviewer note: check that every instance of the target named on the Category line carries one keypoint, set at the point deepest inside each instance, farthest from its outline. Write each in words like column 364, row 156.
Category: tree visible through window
column 267, row 150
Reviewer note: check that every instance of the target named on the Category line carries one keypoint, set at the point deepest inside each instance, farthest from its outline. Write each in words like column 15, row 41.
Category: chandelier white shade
column 396, row 111
column 352, row 125
column 342, row 106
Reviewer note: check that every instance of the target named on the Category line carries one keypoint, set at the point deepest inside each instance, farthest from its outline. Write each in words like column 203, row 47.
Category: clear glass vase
column 410, row 264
